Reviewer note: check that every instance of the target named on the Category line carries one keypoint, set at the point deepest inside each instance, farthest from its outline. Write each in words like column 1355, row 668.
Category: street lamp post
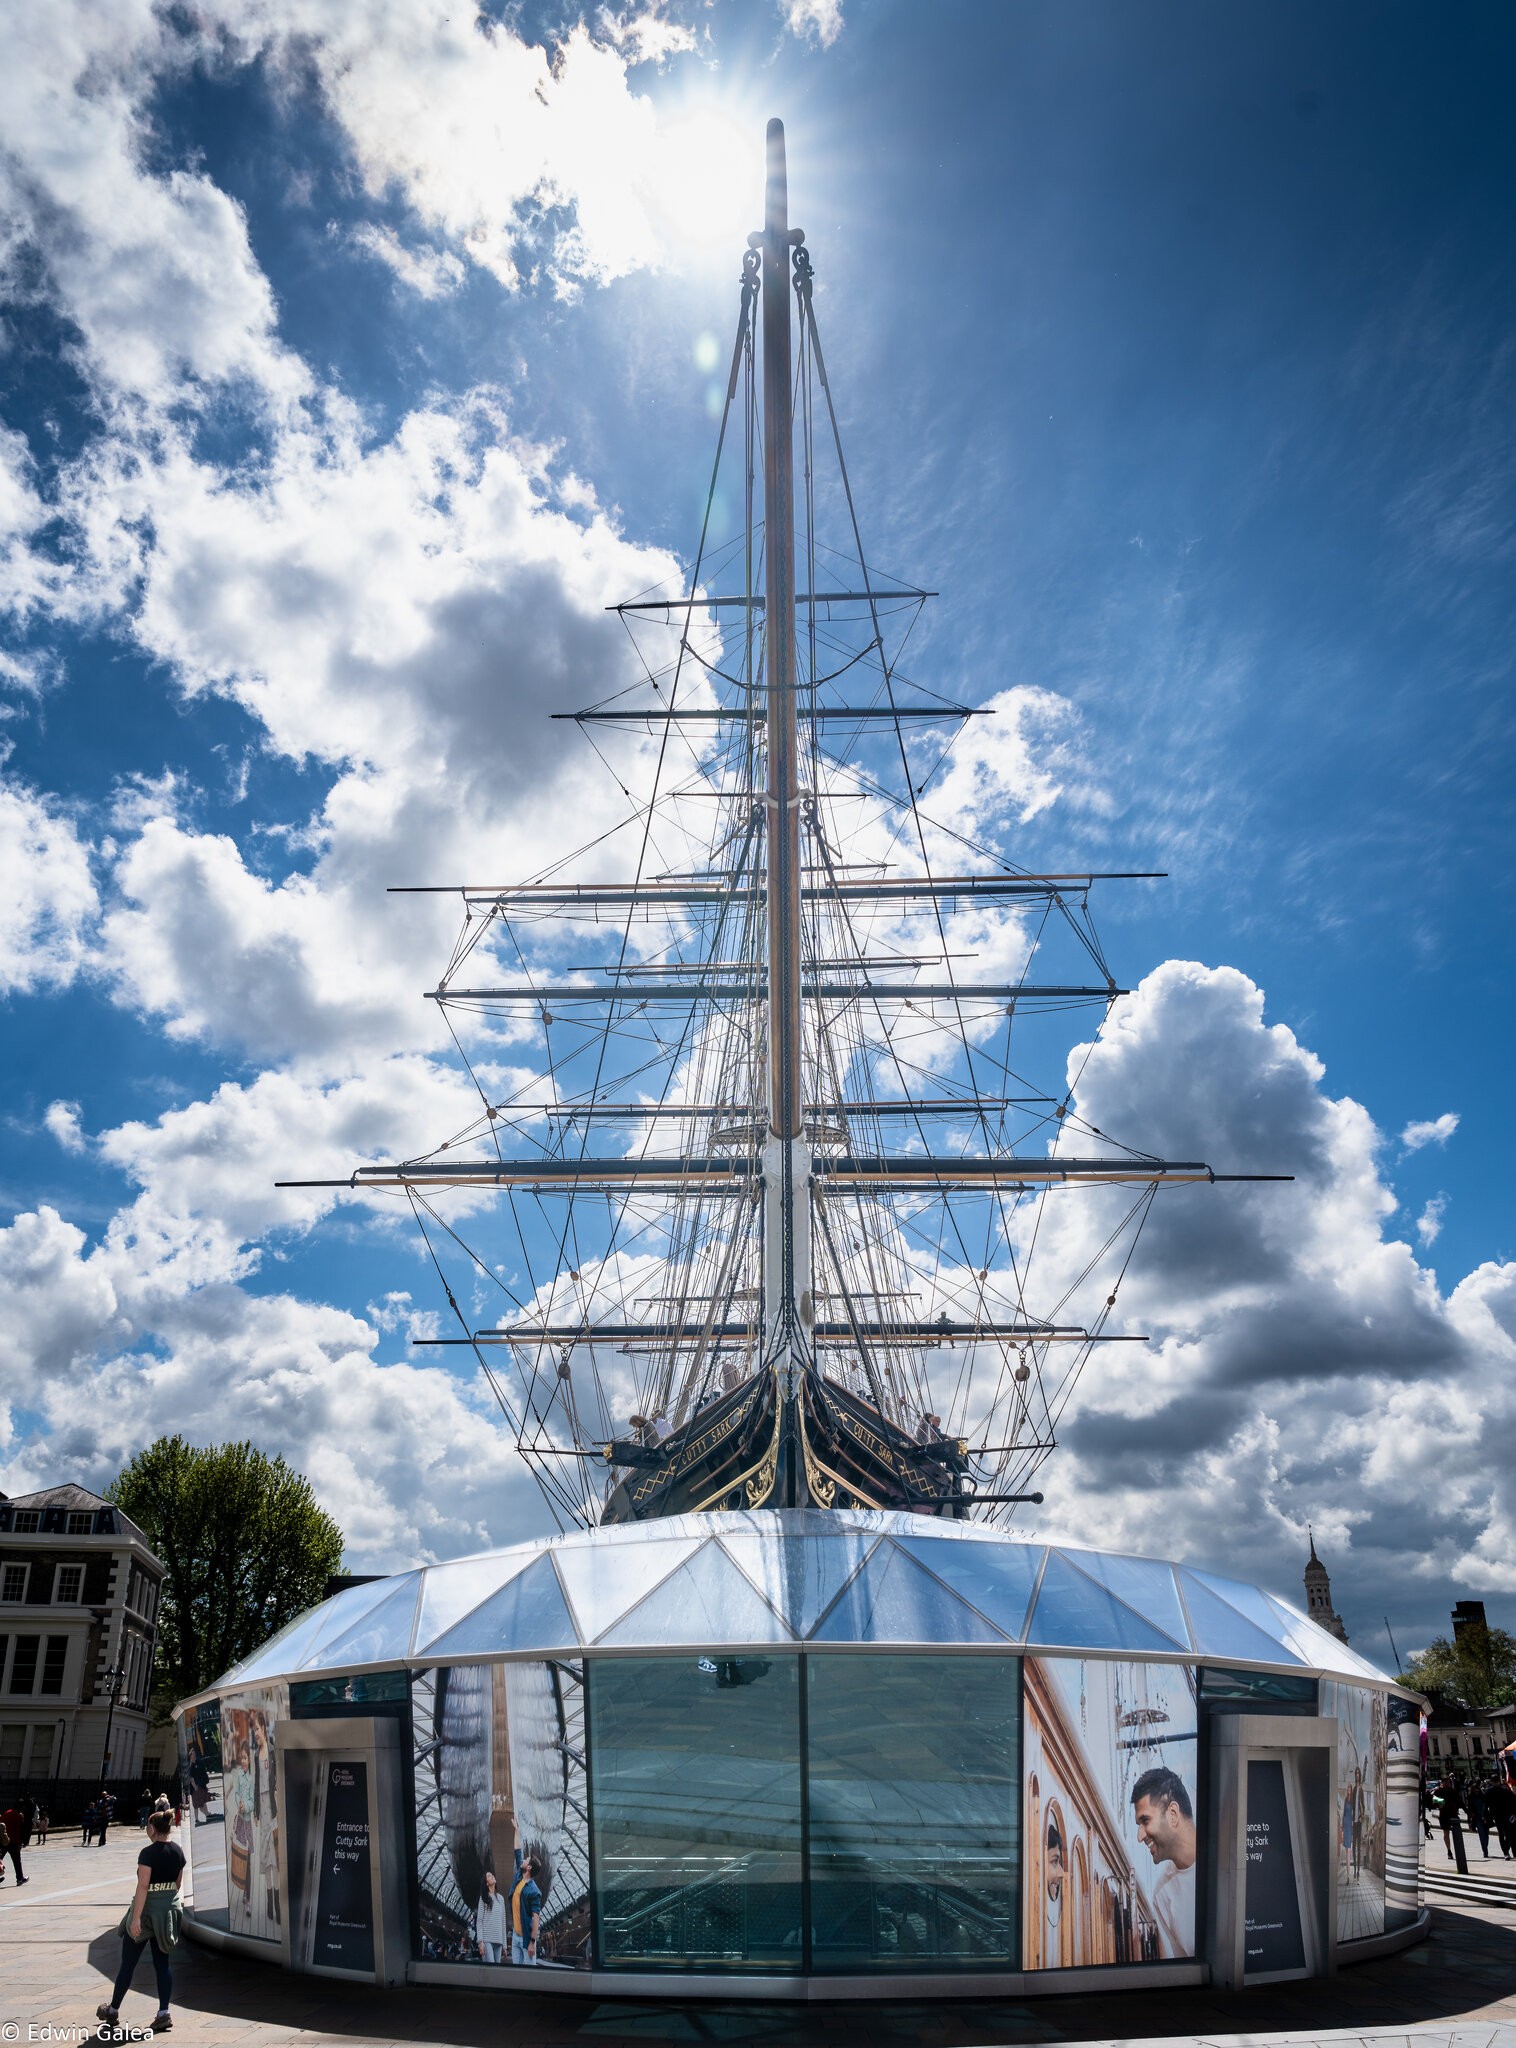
column 114, row 1679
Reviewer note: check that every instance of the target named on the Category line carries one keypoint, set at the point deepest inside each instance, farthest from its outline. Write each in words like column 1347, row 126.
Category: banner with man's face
column 1110, row 1813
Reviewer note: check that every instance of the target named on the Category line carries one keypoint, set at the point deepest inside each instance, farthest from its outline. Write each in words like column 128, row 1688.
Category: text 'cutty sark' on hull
column 780, row 1218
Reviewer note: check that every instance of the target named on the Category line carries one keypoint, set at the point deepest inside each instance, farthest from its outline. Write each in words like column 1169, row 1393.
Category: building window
column 914, row 1837
column 695, row 1792
column 13, row 1585
column 12, row 1743
column 53, row 1660
column 39, row 1760
column 24, row 1663
column 28, row 1521
column 81, row 1522
column 1435, row 1750
column 68, row 1587
column 1476, row 1747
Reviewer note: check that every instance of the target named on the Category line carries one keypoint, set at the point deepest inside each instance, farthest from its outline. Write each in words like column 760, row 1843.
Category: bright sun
column 709, row 186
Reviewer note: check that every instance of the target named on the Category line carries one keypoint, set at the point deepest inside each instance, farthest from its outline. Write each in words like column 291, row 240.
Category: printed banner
column 1111, row 1813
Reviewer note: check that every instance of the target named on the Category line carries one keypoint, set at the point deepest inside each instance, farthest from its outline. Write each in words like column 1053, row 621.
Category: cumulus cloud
column 429, row 273
column 1304, row 1367
column 49, row 899
column 1436, row 1132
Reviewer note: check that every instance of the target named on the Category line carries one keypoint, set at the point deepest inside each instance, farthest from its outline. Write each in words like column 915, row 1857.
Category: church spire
column 1318, row 1594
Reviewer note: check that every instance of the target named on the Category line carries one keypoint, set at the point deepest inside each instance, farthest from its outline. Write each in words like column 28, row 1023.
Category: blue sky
column 346, row 379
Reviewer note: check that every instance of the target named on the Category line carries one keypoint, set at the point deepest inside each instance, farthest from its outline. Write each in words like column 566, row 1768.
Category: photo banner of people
column 200, row 1792
column 250, row 1797
column 1111, row 1813
column 1362, row 1758
column 502, row 1814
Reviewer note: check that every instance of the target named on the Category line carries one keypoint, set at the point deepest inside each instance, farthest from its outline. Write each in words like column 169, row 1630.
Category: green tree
column 1478, row 1666
column 246, row 1549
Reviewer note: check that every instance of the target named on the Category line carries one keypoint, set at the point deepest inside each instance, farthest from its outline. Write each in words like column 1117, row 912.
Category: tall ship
column 782, row 1240
column 763, row 1226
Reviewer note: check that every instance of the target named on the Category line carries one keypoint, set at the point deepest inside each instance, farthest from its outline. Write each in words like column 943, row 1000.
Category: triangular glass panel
column 1220, row 1631
column 704, row 1603
column 282, row 1653
column 1144, row 1583
column 528, row 1614
column 382, row 1636
column 1248, row 1600
column 892, row 1600
column 451, row 1591
column 603, row 1577
column 1309, row 1640
column 800, row 1574
column 1076, row 1614
column 345, row 1611
column 997, row 1578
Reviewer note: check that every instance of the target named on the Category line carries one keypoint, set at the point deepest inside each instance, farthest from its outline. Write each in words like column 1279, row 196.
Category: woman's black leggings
column 131, row 1955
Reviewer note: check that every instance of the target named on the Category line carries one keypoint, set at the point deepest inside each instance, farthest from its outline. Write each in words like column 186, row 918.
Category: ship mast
column 787, row 1303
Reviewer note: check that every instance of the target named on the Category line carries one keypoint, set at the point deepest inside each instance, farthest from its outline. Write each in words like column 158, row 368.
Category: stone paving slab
column 59, row 1950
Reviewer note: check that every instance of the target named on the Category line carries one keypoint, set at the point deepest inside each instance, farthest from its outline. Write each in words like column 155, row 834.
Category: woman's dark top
column 164, row 1862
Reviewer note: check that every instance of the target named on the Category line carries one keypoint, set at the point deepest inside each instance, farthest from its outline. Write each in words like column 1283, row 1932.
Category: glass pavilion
column 819, row 1752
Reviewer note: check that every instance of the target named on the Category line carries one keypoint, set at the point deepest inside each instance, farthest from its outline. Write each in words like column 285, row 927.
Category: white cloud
column 429, row 273
column 818, row 20
column 153, row 268
column 1304, row 1366
column 1429, row 1222
column 61, row 1120
column 49, row 899
column 1436, row 1132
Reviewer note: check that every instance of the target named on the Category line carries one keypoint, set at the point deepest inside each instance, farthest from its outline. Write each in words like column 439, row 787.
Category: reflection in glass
column 913, row 1779
column 695, row 1794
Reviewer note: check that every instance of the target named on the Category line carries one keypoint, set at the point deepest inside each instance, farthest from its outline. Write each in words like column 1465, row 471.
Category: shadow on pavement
column 1467, row 1965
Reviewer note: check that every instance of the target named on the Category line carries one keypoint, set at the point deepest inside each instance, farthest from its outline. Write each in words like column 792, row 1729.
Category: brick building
column 79, row 1591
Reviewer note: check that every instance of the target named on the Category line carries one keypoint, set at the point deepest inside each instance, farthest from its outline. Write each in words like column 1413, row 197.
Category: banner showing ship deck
column 1110, row 1813
column 499, row 1771
column 1359, row 1812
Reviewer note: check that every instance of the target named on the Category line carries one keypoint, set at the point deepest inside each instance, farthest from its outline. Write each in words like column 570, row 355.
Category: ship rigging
column 773, row 1197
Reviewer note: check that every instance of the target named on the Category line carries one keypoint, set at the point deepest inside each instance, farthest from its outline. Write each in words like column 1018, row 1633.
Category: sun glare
column 709, row 187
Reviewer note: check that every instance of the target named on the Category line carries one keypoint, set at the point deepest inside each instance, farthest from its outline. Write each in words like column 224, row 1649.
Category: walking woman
column 152, row 1920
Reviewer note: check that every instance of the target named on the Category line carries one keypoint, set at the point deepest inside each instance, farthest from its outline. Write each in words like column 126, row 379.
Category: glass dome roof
column 789, row 1577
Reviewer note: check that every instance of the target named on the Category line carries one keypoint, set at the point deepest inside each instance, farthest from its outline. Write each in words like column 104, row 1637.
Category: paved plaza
column 59, row 1950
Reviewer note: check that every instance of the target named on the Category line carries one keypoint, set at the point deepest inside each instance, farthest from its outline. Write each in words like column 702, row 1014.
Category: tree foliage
column 246, row 1548
column 1478, row 1666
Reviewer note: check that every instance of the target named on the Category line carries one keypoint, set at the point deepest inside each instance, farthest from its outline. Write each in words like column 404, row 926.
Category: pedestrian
column 14, row 1823
column 91, row 1822
column 526, row 1910
column 44, row 1822
column 152, row 1920
column 107, row 1811
column 1503, row 1812
column 1479, row 1814
column 144, row 1807
column 5, row 1842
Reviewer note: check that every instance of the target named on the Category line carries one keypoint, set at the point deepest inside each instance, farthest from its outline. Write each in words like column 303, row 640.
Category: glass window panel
column 1142, row 1582
column 1249, row 1689
column 695, row 1796
column 282, row 1652
column 604, row 1578
column 451, row 1591
column 1313, row 1645
column 997, row 1578
column 706, row 1601
column 384, row 1632
column 1075, row 1613
column 912, row 1775
column 1248, row 1600
column 345, row 1610
column 892, row 1600
column 801, row 1575
column 528, row 1614
column 1221, row 1631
